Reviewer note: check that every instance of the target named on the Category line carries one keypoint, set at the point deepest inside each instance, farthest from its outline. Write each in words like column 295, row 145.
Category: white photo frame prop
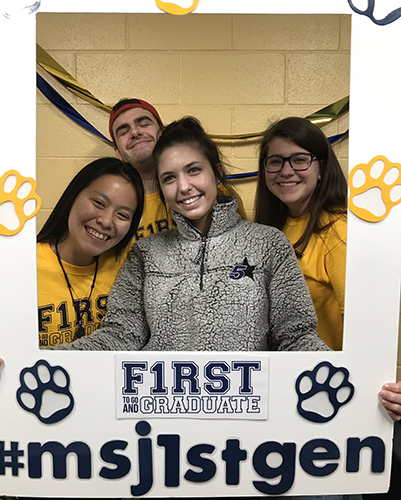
column 55, row 404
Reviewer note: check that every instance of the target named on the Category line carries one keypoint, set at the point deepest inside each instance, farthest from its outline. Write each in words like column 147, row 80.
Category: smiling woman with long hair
column 302, row 191
column 81, row 248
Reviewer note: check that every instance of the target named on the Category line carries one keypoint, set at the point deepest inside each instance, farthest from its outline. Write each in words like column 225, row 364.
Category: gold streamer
column 329, row 113
column 320, row 118
column 68, row 81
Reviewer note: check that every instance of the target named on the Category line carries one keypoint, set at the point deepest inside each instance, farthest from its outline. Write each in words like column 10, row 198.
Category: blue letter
column 195, row 458
column 145, row 461
column 185, row 371
column 130, row 377
column 171, row 444
column 222, row 380
column 354, row 446
column 232, row 456
column 286, row 470
column 59, row 454
column 308, row 455
column 122, row 463
column 246, row 367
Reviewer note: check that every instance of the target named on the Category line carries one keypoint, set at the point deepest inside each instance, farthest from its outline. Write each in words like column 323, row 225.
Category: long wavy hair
column 330, row 194
column 55, row 228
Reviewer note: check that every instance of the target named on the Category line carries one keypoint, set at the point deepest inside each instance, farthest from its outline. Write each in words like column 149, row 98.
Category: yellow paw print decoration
column 375, row 188
column 18, row 202
column 172, row 8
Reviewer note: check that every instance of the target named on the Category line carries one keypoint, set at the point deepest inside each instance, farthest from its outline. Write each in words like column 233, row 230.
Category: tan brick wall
column 236, row 73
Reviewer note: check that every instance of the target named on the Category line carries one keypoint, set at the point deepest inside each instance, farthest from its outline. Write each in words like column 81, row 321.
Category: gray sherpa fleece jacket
column 237, row 289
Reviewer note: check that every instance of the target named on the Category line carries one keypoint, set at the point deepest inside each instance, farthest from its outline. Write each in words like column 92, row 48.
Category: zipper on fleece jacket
column 202, row 263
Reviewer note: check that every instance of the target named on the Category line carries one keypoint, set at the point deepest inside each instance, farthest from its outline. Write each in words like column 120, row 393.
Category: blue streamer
column 335, row 138
column 244, row 175
column 59, row 101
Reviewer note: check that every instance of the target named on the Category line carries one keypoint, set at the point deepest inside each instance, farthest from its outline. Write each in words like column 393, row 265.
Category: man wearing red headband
column 135, row 126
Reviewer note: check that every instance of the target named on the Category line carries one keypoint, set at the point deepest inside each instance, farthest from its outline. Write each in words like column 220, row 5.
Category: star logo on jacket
column 241, row 270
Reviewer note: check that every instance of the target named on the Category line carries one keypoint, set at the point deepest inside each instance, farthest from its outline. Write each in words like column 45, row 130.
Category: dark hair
column 56, row 227
column 330, row 194
column 189, row 131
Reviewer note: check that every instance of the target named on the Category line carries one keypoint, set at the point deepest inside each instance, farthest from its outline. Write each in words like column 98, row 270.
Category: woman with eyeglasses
column 302, row 191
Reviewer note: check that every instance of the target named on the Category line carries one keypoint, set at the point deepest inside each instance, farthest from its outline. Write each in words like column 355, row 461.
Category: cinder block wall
column 236, row 73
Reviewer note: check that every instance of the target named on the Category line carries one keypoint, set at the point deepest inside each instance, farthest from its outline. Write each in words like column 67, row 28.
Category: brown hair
column 330, row 194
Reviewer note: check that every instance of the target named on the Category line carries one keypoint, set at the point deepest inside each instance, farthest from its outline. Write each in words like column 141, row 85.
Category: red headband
column 139, row 104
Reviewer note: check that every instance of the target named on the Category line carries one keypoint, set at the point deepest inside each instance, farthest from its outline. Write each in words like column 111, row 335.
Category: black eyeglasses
column 297, row 161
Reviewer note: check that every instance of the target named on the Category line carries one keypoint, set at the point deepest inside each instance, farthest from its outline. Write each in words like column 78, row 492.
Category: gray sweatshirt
column 239, row 288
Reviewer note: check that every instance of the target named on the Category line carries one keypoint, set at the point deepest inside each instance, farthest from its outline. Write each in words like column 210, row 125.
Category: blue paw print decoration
column 45, row 392
column 322, row 392
column 369, row 12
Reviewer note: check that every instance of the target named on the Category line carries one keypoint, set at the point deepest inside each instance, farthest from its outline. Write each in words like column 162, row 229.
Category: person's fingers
column 393, row 387
column 392, row 404
column 395, row 416
column 390, row 394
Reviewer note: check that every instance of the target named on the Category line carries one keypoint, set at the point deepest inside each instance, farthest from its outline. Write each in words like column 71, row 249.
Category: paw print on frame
column 375, row 188
column 173, row 8
column 18, row 202
column 369, row 12
column 45, row 392
column 322, row 392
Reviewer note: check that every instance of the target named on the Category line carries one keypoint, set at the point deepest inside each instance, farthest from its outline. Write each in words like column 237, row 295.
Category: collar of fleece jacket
column 224, row 217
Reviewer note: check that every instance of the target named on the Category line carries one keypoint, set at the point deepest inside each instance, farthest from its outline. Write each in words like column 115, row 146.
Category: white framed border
column 372, row 300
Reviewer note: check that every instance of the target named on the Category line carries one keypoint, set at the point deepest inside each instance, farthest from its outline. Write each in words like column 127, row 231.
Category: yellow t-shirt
column 323, row 265
column 157, row 218
column 56, row 313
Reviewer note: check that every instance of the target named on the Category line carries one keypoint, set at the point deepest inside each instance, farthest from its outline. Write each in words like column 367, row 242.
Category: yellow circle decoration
column 17, row 201
column 172, row 8
column 380, row 183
